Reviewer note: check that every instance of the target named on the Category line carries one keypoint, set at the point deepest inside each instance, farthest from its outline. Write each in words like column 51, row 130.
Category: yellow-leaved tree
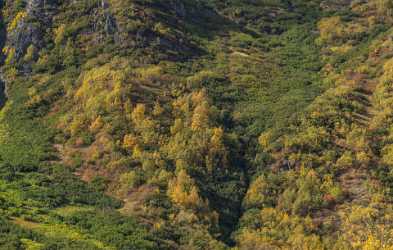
column 183, row 191
column 201, row 114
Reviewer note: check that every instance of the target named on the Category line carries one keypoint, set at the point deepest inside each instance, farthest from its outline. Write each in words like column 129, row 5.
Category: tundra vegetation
column 184, row 124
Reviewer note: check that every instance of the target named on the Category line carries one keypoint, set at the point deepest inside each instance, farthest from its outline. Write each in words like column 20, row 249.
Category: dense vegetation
column 182, row 124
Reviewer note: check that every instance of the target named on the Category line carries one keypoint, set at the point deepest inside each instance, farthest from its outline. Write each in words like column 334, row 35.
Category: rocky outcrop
column 3, row 86
column 30, row 29
column 110, row 25
column 23, row 36
column 34, row 7
column 104, row 22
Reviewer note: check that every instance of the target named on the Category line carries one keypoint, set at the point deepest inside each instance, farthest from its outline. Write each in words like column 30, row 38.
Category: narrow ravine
column 300, row 47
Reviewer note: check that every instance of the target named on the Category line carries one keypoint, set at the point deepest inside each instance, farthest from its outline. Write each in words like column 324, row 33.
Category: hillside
column 209, row 124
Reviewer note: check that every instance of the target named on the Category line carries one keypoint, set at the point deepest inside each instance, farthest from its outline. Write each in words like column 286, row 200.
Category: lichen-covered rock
column 29, row 30
column 23, row 36
column 104, row 21
column 110, row 23
column 34, row 6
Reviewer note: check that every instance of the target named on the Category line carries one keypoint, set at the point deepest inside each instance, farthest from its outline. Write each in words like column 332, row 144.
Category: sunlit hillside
column 196, row 124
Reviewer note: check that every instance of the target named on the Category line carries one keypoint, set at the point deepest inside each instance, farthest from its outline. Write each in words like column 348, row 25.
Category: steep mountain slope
column 328, row 182
column 134, row 124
